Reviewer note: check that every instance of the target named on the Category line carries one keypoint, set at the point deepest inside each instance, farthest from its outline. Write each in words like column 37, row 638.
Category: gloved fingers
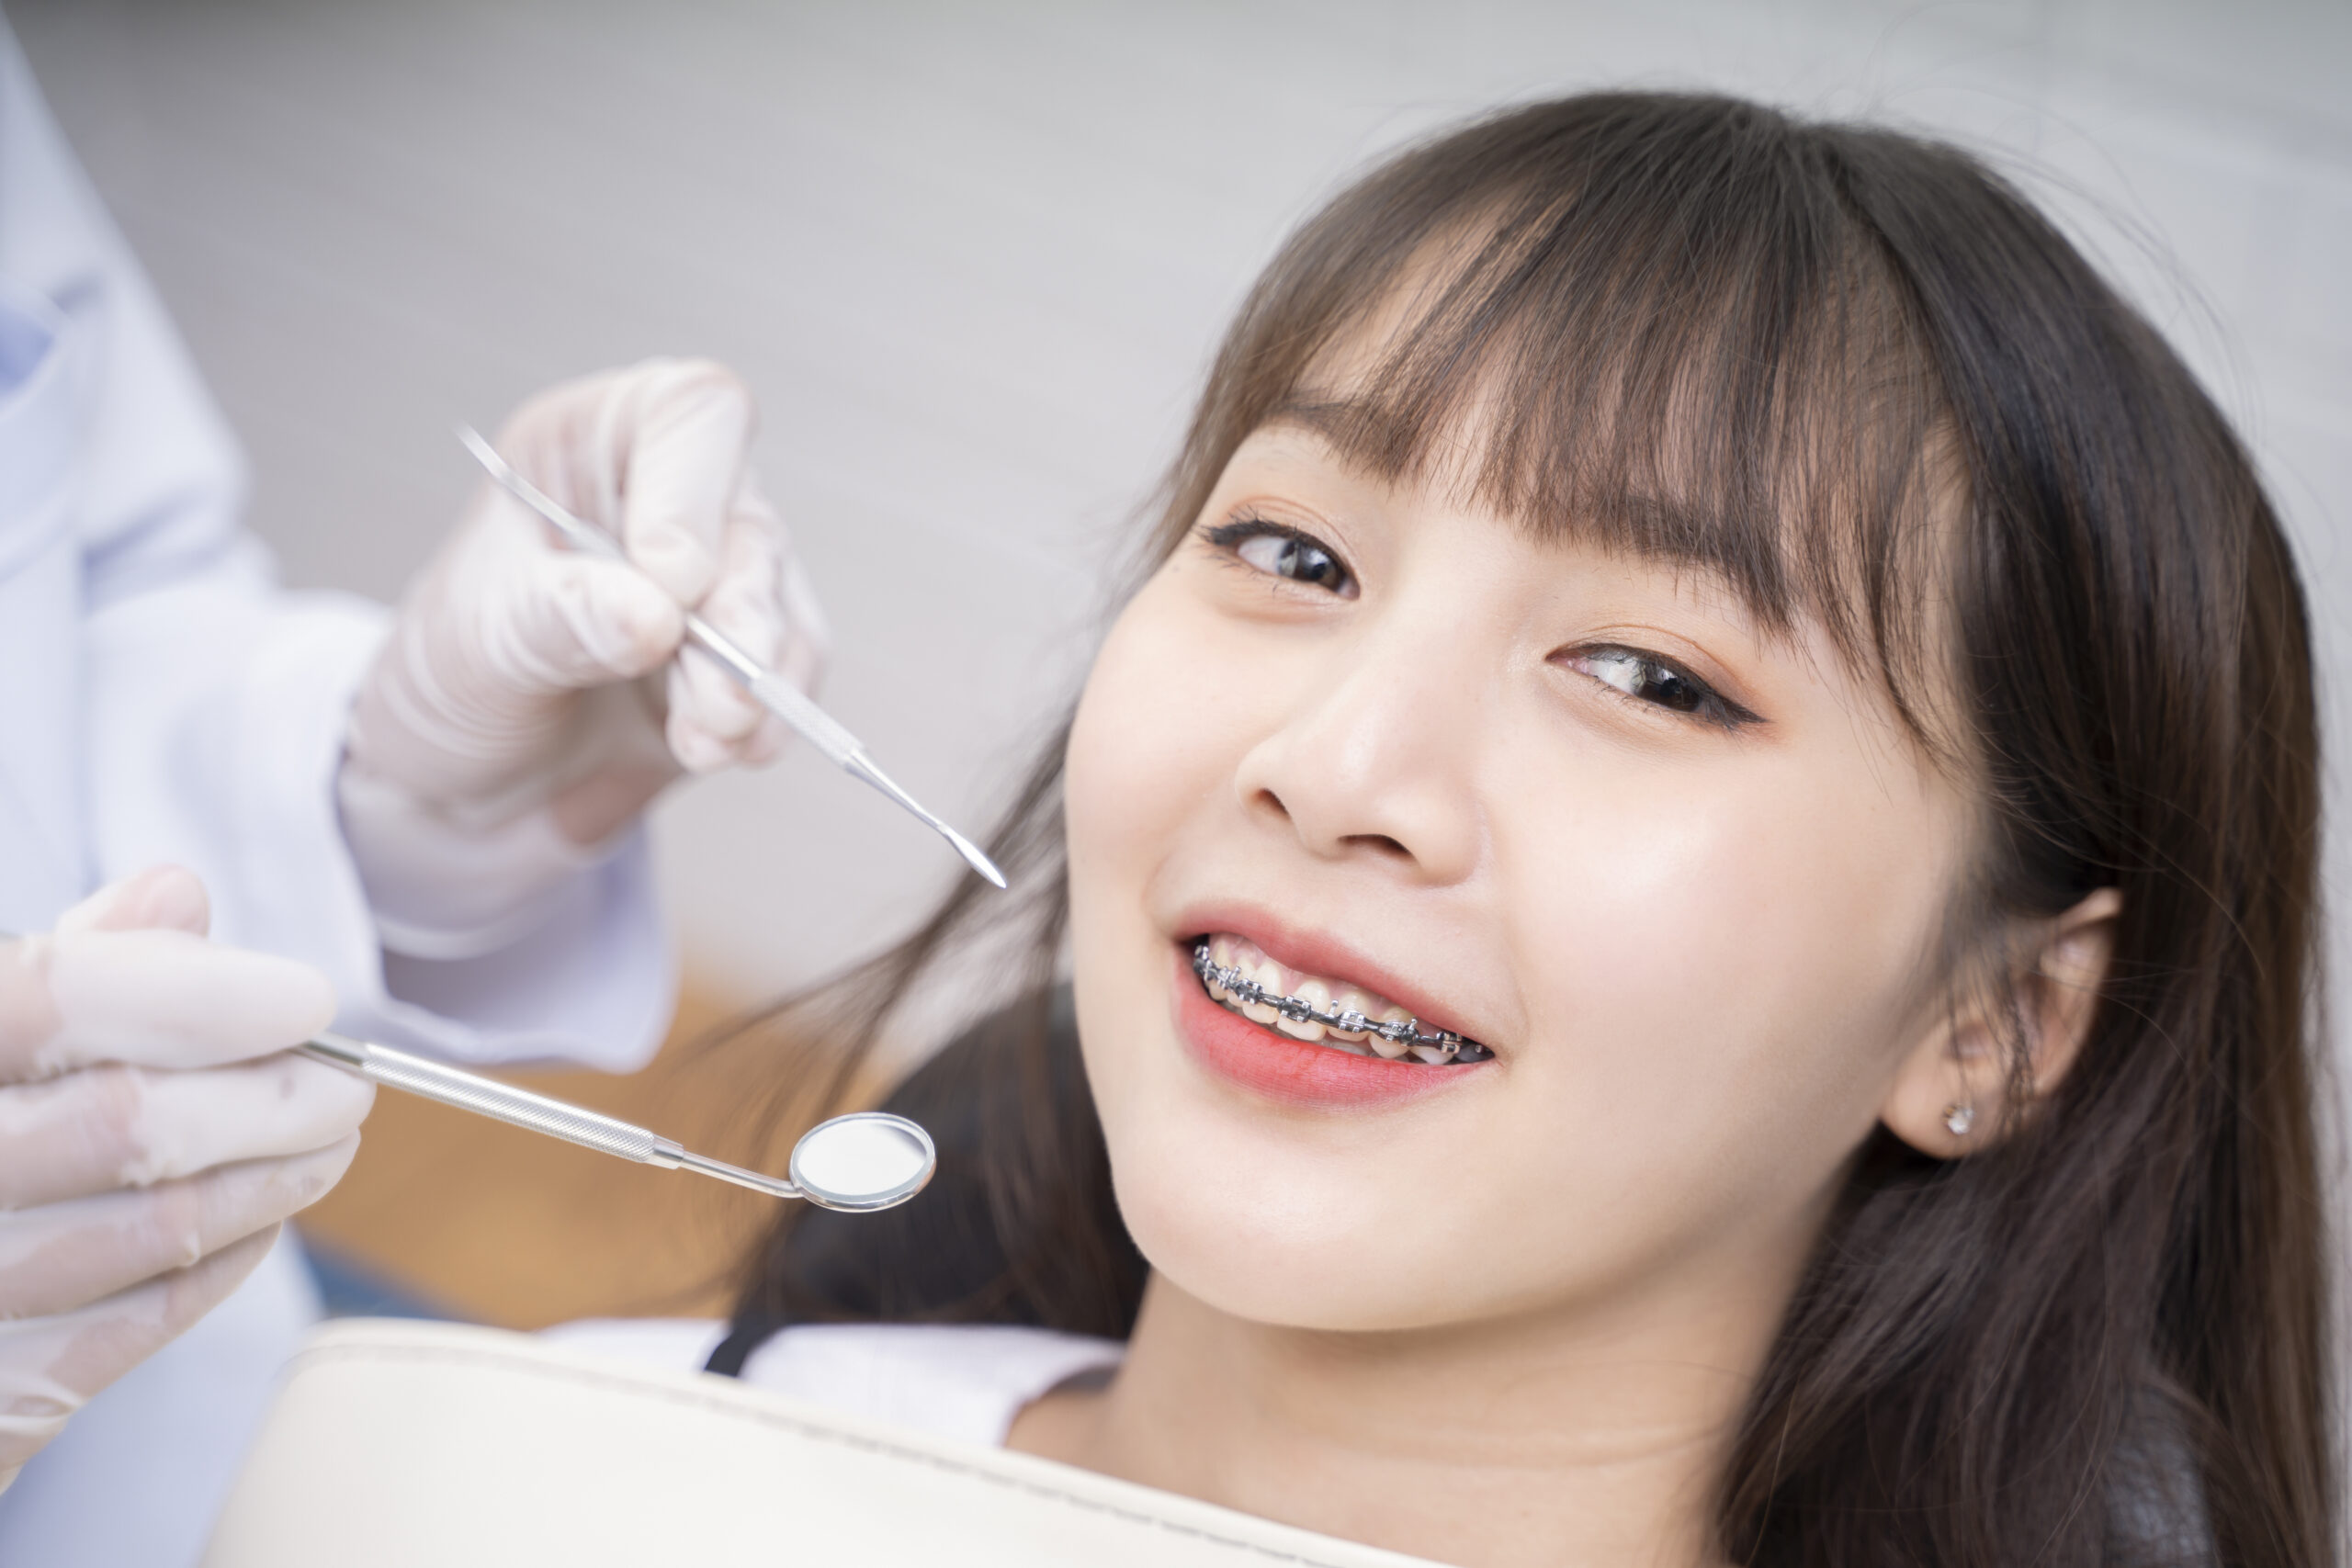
column 157, row 998
column 764, row 602
column 653, row 453
column 50, row 1367
column 713, row 721
column 674, row 438
column 475, row 686
column 112, row 1127
column 809, row 644
column 571, row 621
column 621, row 763
column 162, row 897
column 61, row 1256
column 807, row 636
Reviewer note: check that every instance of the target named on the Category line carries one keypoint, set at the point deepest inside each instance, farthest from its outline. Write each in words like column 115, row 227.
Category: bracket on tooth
column 1400, row 1031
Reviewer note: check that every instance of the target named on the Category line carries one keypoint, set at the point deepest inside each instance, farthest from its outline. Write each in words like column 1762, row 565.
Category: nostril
column 1267, row 800
column 1382, row 844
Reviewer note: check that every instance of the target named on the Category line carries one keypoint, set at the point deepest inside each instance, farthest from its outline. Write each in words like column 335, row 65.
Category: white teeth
column 1263, row 973
column 1315, row 994
column 1220, row 955
column 1267, row 976
column 1239, row 975
column 1350, row 1002
column 1394, row 1050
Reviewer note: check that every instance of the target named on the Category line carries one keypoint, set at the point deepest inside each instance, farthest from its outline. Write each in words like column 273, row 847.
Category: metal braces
column 1398, row 1032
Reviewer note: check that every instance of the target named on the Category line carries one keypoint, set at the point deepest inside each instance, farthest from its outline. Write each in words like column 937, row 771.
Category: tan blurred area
column 502, row 1226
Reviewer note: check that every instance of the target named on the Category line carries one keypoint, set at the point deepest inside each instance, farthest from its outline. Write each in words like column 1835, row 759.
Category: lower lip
column 1292, row 1072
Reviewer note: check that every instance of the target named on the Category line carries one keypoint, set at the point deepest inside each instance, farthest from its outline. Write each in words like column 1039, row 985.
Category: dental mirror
column 858, row 1163
column 861, row 1162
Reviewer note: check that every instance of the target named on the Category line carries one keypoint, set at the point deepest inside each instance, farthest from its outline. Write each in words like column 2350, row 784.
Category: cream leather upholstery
column 401, row 1445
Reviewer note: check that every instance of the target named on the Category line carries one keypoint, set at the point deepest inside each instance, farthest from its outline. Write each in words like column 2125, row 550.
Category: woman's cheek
column 1137, row 768
column 1134, row 764
column 1731, row 968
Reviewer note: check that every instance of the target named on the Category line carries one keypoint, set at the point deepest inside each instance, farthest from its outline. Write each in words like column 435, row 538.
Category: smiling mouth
column 1241, row 979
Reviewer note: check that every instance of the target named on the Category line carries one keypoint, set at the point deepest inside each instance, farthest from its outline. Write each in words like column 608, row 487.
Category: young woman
column 1688, row 901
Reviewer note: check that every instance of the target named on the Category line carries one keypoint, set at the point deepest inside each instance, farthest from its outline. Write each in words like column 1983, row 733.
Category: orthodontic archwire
column 1400, row 1032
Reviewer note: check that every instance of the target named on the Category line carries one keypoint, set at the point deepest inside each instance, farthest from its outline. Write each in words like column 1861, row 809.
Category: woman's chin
column 1298, row 1257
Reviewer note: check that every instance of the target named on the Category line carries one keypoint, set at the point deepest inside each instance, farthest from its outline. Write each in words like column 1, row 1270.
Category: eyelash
column 1296, row 546
column 1706, row 704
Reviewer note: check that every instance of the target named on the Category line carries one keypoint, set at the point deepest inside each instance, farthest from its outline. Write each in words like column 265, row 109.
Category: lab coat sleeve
column 216, row 702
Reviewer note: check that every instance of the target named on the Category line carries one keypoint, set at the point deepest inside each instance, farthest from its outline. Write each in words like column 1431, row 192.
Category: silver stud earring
column 1959, row 1119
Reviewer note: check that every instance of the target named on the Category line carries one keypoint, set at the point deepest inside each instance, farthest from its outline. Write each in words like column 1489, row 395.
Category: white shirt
column 961, row 1381
column 161, row 698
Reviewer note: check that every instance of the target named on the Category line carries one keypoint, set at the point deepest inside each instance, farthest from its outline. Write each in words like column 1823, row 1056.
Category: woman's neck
column 1556, row 1439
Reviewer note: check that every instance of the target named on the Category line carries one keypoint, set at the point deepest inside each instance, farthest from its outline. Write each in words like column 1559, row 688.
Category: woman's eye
column 1280, row 551
column 1648, row 678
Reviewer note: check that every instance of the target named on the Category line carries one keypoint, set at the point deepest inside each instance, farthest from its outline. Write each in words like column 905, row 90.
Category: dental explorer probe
column 771, row 691
column 861, row 1162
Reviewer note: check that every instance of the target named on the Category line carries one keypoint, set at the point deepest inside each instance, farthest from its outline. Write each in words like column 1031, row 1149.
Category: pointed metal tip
column 973, row 857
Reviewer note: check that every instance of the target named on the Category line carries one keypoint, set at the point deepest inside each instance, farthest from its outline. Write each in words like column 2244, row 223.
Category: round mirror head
column 863, row 1162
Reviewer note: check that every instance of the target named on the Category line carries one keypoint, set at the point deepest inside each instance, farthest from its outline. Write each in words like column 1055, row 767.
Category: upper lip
column 1326, row 955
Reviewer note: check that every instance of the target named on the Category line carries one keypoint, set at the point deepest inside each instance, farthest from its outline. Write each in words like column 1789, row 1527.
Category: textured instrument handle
column 813, row 723
column 487, row 1097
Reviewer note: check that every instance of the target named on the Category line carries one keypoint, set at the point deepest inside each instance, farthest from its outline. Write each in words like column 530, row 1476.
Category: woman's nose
column 1376, row 756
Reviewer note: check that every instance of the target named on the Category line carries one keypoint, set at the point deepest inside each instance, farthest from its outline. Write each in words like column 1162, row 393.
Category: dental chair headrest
column 394, row 1444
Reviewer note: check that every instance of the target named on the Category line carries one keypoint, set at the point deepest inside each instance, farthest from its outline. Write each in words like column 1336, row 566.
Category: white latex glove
column 503, row 736
column 151, row 1138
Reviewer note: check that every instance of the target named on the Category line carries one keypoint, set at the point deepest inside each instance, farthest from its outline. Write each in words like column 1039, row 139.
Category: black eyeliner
column 1225, row 536
column 1733, row 716
column 1228, row 537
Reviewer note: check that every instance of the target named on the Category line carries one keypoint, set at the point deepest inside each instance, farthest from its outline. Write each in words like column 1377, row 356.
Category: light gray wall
column 974, row 258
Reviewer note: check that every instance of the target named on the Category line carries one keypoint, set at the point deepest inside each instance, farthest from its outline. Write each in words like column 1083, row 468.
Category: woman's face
column 1381, row 747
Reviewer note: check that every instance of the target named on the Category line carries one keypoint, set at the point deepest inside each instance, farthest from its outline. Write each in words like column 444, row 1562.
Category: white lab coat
column 162, row 699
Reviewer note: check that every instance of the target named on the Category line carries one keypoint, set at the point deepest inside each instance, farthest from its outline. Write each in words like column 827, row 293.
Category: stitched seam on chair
column 805, row 1429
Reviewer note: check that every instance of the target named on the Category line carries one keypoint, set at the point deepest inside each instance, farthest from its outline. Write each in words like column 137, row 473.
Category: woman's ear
column 1952, row 1092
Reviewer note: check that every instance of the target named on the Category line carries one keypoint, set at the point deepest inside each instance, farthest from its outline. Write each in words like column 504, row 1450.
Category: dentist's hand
column 530, row 702
column 151, row 1138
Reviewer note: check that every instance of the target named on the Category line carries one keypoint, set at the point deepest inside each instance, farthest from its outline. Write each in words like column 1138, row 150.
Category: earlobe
column 1955, row 1089
column 1950, row 1089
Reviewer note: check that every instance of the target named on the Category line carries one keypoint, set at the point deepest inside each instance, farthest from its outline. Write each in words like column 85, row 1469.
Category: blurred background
column 974, row 258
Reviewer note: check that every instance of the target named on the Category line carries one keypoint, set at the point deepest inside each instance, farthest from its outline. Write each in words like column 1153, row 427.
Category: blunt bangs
column 1680, row 346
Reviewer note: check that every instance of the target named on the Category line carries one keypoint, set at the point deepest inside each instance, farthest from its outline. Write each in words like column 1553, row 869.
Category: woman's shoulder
column 961, row 1381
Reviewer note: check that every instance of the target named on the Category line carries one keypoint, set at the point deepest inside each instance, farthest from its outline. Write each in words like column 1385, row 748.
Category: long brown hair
column 1860, row 375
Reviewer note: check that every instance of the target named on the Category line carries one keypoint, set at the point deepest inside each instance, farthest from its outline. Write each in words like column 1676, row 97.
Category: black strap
column 743, row 1336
